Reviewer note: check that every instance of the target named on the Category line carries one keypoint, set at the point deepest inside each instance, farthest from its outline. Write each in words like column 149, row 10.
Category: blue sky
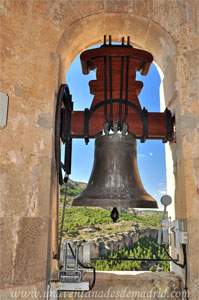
column 151, row 154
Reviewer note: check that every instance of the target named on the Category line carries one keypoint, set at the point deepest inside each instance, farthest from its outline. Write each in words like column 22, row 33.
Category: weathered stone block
column 191, row 182
column 144, row 8
column 161, row 45
column 112, row 23
column 26, row 186
column 33, row 32
column 116, row 6
column 8, row 239
column 30, row 259
column 36, row 291
column 137, row 28
column 96, row 34
column 133, row 285
column 193, row 259
column 169, row 85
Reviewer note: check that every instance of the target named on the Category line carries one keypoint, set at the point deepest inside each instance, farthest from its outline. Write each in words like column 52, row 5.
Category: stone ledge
column 19, row 292
column 133, row 285
column 111, row 285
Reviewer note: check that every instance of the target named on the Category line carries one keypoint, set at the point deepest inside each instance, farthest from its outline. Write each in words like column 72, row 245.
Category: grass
column 90, row 223
column 85, row 222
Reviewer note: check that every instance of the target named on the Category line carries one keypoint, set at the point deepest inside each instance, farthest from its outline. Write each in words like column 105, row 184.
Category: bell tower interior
column 40, row 39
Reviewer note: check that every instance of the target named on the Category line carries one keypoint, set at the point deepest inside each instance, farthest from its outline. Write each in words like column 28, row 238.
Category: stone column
column 28, row 184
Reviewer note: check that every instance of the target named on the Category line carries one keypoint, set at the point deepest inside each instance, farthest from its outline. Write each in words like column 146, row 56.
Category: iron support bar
column 143, row 114
column 136, row 259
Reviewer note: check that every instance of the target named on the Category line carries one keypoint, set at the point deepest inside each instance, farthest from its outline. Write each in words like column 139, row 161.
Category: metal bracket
column 177, row 227
column 55, row 287
column 3, row 109
column 169, row 126
column 143, row 114
column 145, row 125
column 86, row 125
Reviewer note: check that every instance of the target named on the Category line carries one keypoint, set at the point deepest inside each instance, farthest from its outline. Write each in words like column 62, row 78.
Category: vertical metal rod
column 68, row 155
column 76, row 258
column 105, row 89
column 86, row 125
column 65, row 256
column 110, row 86
column 126, row 90
column 62, row 221
column 128, row 40
column 104, row 39
column 121, row 89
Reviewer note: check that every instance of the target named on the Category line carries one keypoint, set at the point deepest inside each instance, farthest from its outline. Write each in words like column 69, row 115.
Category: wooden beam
column 156, row 124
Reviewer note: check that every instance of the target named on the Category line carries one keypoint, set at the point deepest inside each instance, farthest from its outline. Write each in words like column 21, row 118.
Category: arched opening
column 145, row 34
column 34, row 55
column 151, row 155
column 140, row 155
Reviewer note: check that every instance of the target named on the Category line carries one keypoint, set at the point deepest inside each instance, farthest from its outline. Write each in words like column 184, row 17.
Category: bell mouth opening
column 108, row 198
column 114, row 205
column 119, row 203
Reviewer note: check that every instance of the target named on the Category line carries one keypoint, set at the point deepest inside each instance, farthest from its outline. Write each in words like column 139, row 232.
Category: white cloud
column 162, row 192
column 141, row 155
column 150, row 153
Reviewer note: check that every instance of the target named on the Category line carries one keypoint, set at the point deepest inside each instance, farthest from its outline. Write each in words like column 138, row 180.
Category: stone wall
column 106, row 244
column 39, row 40
column 133, row 285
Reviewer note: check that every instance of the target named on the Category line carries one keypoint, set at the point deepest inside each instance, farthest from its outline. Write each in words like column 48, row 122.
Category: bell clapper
column 114, row 214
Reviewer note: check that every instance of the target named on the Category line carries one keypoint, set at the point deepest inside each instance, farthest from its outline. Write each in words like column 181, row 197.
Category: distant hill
column 74, row 189
column 88, row 222
column 134, row 233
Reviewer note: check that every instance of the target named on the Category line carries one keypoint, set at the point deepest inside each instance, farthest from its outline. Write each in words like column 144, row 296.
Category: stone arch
column 144, row 34
column 34, row 32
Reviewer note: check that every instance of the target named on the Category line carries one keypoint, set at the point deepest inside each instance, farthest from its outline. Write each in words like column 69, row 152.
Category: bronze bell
column 115, row 179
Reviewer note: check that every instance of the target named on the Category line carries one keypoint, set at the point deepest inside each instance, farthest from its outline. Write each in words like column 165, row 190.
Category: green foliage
column 83, row 223
column 77, row 218
column 73, row 189
column 145, row 247
column 148, row 220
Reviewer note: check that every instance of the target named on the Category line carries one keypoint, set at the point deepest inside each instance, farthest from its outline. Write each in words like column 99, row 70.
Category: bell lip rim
column 125, row 207
column 113, row 203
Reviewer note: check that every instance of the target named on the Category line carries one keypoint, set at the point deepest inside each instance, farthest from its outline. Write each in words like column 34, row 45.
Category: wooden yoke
column 115, row 102
column 116, row 93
